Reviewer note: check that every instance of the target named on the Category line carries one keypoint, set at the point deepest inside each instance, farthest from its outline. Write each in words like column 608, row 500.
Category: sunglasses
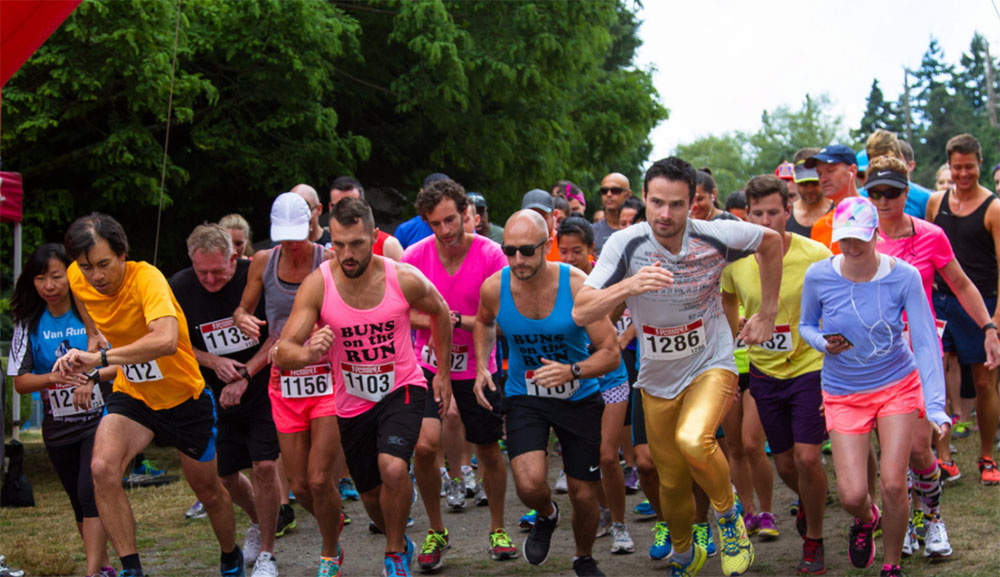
column 889, row 193
column 526, row 250
column 615, row 190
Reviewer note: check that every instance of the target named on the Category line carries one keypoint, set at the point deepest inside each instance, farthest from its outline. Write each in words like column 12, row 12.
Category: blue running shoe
column 328, row 568
column 411, row 548
column 348, row 492
column 644, row 509
column 702, row 533
column 528, row 520
column 237, row 569
column 396, row 565
column 661, row 542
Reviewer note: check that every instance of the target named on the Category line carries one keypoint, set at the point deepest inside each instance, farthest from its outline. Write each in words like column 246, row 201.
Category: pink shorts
column 855, row 414
column 294, row 415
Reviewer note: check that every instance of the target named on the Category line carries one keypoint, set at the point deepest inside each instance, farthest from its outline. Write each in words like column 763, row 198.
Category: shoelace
column 859, row 534
column 433, row 539
column 701, row 535
column 809, row 551
column 500, row 539
column 730, row 536
column 660, row 534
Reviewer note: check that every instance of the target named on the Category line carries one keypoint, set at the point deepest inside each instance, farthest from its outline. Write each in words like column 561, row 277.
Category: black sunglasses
column 890, row 193
column 615, row 190
column 526, row 250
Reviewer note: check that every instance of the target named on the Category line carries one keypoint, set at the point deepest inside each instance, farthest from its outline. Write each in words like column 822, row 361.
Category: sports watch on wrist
column 576, row 370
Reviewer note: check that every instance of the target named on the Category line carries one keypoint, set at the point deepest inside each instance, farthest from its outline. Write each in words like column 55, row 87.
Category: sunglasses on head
column 526, row 249
column 615, row 190
column 890, row 193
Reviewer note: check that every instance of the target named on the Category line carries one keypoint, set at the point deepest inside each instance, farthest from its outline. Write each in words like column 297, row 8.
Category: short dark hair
column 738, row 199
column 765, row 185
column 566, row 187
column 435, row 192
column 671, row 168
column 638, row 205
column 347, row 183
column 906, row 149
column 85, row 231
column 964, row 144
column 576, row 225
column 560, row 203
column 350, row 210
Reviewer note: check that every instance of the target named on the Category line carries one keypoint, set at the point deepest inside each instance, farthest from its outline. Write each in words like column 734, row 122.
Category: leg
column 612, row 478
column 786, row 466
column 324, row 451
column 241, row 492
column 266, row 490
column 285, row 485
column 649, row 479
column 531, row 482
column 895, row 439
column 811, row 486
column 204, row 481
column 753, row 446
column 95, row 544
column 953, row 382
column 850, row 460
column 673, row 471
column 739, row 464
column 295, row 456
column 396, row 493
column 987, row 409
column 583, row 496
column 426, row 471
column 494, row 481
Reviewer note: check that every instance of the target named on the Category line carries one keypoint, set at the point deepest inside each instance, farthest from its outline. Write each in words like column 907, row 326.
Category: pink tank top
column 372, row 353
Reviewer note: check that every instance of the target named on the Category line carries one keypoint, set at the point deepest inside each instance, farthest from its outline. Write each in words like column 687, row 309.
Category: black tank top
column 973, row 246
column 792, row 225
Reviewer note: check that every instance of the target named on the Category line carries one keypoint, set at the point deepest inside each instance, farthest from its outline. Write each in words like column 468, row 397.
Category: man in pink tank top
column 456, row 263
column 362, row 304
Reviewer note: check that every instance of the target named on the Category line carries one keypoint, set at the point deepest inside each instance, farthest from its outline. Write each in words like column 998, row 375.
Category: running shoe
column 251, row 542
column 813, row 562
column 348, row 492
column 480, row 499
column 910, row 541
column 661, row 541
column 691, row 568
column 236, row 570
column 861, row 546
column 6, row 571
column 144, row 472
column 501, row 547
column 286, row 520
column 794, row 509
column 474, row 462
column 702, row 534
column 411, row 548
column 536, row 546
column 919, row 521
column 432, row 554
column 752, row 523
column 737, row 551
column 470, row 482
column 621, row 541
column 767, row 448
column 528, row 520
column 124, row 573
column 604, row 523
column 265, row 566
column 105, row 572
column 949, row 471
column 892, row 571
column 345, row 519
column 631, row 480
column 937, row 544
column 455, row 494
column 962, row 429
column 395, row 565
column 561, row 486
column 988, row 473
column 586, row 567
column 644, row 509
column 827, row 447
column 196, row 511
column 445, row 479
column 738, row 503
column 768, row 527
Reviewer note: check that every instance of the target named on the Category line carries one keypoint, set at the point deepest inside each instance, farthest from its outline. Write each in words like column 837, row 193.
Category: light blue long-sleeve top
column 869, row 315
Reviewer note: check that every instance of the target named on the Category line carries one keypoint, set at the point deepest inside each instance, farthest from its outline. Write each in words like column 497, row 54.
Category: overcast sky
column 720, row 63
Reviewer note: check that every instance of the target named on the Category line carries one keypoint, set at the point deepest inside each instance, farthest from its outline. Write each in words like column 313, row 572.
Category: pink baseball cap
column 856, row 217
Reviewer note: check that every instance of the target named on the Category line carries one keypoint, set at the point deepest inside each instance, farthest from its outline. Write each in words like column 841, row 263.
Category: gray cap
column 537, row 199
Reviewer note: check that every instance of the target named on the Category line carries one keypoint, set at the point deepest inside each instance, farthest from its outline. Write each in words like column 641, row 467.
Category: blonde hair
column 886, row 163
column 236, row 221
column 881, row 143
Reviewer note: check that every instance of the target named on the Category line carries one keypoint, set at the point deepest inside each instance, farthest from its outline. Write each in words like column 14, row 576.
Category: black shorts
column 392, row 427
column 628, row 355
column 246, row 439
column 744, row 381
column 189, row 427
column 638, row 420
column 577, row 424
column 482, row 427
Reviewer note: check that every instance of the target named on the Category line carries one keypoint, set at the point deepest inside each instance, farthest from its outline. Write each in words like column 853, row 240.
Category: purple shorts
column 789, row 409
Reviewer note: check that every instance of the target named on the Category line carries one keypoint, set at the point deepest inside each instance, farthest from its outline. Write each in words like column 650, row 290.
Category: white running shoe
column 621, row 540
column 469, row 481
column 936, row 542
column 561, row 486
column 455, row 494
column 910, row 541
column 251, row 542
column 604, row 524
column 265, row 566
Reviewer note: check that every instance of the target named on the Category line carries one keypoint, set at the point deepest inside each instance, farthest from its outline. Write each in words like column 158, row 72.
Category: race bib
column 369, row 382
column 61, row 401
column 459, row 357
column 624, row 322
column 672, row 343
column 563, row 391
column 938, row 323
column 142, row 372
column 223, row 337
column 311, row 381
column 781, row 340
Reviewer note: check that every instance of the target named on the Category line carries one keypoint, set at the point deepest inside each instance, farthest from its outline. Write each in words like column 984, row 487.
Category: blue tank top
column 555, row 337
column 614, row 378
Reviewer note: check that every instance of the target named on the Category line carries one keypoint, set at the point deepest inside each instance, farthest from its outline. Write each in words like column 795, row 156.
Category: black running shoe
column 861, row 547
column 286, row 520
column 536, row 546
column 586, row 567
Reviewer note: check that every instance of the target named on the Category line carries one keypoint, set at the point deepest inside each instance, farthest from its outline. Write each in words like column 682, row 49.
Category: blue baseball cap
column 832, row 154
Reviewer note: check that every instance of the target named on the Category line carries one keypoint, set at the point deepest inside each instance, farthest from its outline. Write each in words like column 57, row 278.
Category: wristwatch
column 95, row 376
column 104, row 357
column 988, row 326
column 576, row 370
column 244, row 373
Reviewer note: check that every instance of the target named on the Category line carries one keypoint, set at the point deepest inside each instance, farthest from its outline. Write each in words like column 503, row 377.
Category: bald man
column 317, row 233
column 614, row 190
column 552, row 381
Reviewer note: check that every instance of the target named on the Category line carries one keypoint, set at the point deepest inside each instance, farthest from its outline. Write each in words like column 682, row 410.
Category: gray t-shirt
column 681, row 330
column 602, row 231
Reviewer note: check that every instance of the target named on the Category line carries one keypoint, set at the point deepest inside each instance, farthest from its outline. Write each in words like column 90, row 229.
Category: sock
column 265, row 555
column 466, row 469
column 888, row 567
column 820, row 540
column 554, row 516
column 685, row 557
column 231, row 558
column 131, row 562
column 927, row 486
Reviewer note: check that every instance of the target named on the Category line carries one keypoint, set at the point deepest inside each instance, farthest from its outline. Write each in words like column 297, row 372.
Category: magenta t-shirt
column 928, row 250
column 461, row 290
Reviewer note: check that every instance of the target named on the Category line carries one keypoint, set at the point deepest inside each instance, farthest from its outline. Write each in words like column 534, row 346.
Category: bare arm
column 731, row 306
column 484, row 335
column 160, row 341
column 290, row 351
column 970, row 299
column 993, row 225
column 249, row 324
column 391, row 249
column 594, row 304
column 760, row 326
column 423, row 297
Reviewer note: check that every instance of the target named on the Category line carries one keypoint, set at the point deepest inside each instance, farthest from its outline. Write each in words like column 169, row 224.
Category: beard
column 360, row 266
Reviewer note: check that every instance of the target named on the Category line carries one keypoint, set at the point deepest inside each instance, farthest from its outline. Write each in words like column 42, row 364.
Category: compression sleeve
column 926, row 349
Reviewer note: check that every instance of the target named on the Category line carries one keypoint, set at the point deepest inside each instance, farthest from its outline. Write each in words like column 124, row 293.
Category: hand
column 227, row 369
column 835, row 347
column 483, row 380
column 992, row 350
column 76, row 362
column 319, row 344
column 941, row 429
column 442, row 392
column 552, row 374
column 83, row 394
column 232, row 393
column 249, row 324
column 756, row 330
column 97, row 342
column 455, row 319
column 650, row 279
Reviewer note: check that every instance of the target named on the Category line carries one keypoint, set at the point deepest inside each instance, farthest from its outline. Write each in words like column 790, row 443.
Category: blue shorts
column 962, row 335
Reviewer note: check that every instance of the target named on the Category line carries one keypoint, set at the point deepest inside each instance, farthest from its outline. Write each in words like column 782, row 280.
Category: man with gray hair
column 234, row 365
column 317, row 233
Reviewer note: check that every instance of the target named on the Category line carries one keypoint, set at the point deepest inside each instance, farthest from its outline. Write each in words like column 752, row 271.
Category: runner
column 870, row 377
column 836, row 167
column 483, row 225
column 551, row 384
column 234, row 366
column 316, row 233
column 687, row 373
column 239, row 230
column 348, row 187
column 705, row 206
column 46, row 325
column 614, row 190
column 362, row 304
column 415, row 229
column 784, row 372
column 158, row 391
column 302, row 401
column 971, row 220
column 456, row 263
column 811, row 204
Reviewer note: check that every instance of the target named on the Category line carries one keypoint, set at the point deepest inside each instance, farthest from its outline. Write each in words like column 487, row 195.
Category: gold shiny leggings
column 681, row 435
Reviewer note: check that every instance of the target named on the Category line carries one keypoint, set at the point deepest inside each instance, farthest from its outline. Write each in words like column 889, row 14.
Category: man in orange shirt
column 837, row 167
column 159, row 393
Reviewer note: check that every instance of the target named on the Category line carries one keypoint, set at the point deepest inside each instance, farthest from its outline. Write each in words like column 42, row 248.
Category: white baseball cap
column 290, row 218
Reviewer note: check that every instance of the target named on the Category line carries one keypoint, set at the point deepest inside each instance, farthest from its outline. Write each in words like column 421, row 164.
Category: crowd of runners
column 668, row 346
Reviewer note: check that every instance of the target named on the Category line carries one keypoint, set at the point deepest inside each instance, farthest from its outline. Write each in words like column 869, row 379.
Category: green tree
column 879, row 113
column 725, row 154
